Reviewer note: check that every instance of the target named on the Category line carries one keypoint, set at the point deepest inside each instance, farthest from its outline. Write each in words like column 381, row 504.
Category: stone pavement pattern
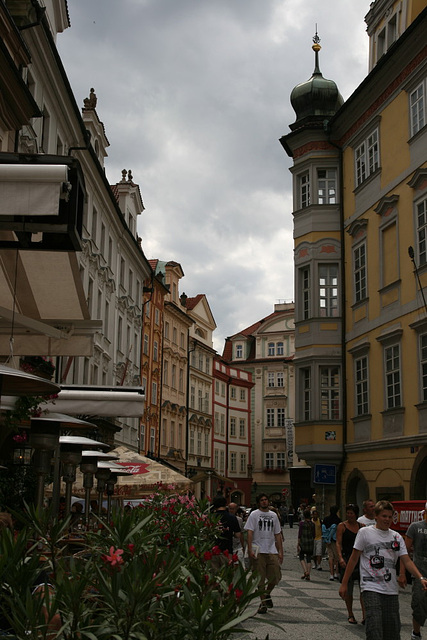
column 313, row 609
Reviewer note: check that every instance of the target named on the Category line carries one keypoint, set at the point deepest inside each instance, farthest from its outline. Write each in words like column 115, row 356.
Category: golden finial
column 316, row 40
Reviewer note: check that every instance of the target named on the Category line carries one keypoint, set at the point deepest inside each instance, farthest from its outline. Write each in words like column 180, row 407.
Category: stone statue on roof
column 90, row 103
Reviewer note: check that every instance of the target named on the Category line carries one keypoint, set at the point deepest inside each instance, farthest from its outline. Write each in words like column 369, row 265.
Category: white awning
column 31, row 190
column 118, row 402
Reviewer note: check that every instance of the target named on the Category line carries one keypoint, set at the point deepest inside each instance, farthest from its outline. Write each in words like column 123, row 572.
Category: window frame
column 367, row 159
column 329, row 310
column 393, row 376
column 327, row 197
column 415, row 124
column 360, row 272
column 361, row 385
column 329, row 392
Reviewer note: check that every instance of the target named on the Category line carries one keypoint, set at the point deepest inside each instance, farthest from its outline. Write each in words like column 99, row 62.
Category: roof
column 192, row 302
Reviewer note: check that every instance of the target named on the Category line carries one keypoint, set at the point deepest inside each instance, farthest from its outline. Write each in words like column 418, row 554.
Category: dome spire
column 317, row 99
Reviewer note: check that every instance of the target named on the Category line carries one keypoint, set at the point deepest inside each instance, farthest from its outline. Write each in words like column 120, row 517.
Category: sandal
column 352, row 620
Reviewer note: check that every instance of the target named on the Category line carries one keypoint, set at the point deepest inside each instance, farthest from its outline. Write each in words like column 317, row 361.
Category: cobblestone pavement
column 312, row 609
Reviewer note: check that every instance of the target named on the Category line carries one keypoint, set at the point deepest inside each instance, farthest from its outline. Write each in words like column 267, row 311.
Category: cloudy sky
column 194, row 95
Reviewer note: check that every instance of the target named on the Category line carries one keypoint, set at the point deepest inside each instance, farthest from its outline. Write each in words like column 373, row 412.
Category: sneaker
column 319, row 568
column 262, row 608
column 268, row 602
column 331, row 578
column 415, row 636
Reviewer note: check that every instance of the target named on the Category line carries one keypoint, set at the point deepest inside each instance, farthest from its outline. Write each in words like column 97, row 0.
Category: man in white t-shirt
column 264, row 531
column 368, row 517
column 379, row 548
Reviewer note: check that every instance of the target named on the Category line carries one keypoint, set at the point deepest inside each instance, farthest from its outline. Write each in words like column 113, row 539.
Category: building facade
column 266, row 350
column 231, row 443
column 79, row 289
column 360, row 188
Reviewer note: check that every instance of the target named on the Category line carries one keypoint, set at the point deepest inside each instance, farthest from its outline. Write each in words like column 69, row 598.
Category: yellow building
column 360, row 224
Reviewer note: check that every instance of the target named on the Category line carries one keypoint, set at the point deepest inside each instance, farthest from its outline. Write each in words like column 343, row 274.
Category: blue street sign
column 325, row 474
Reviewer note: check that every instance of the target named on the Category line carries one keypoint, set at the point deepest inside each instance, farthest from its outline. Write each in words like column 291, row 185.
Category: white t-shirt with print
column 265, row 525
column 380, row 552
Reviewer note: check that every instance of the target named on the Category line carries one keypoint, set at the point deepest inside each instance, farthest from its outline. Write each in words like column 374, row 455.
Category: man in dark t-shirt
column 229, row 525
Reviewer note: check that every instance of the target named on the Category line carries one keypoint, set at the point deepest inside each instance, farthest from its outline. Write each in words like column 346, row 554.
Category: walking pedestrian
column 368, row 517
column 379, row 548
column 306, row 532
column 291, row 516
column 265, row 548
column 317, row 549
column 229, row 528
column 416, row 544
column 346, row 535
column 329, row 535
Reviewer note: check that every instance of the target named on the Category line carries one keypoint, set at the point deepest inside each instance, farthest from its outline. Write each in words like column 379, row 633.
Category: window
column 242, row 395
column 192, row 397
column 199, row 443
column 216, row 459
column 423, row 350
column 173, row 382
column 157, row 316
column 181, row 380
column 233, row 461
column 305, row 290
column 359, row 257
column 281, row 417
column 154, row 393
column 172, row 434
column 222, row 430
column 271, row 349
column 270, row 417
column 243, row 463
column 191, row 446
column 155, row 351
column 174, row 336
column 271, row 379
column 367, row 157
column 329, row 393
column 239, row 351
column 281, row 460
column 206, row 444
column 242, row 428
column 222, row 461
column 216, row 422
column 304, row 190
column 167, row 330
column 182, row 338
column 208, row 365
column 145, row 344
column 232, row 426
column 326, row 186
column 280, row 379
column 280, row 349
column 328, row 290
column 421, row 208
column 269, row 460
column 233, row 393
column 392, row 376
column 165, row 372
column 417, row 108
column 152, row 439
column 200, row 400
column 361, row 379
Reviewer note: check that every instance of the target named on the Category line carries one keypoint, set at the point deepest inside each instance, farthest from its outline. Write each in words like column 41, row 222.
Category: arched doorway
column 418, row 490
column 357, row 489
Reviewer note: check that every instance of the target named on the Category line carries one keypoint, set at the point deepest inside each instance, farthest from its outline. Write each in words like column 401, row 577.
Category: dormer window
column 239, row 351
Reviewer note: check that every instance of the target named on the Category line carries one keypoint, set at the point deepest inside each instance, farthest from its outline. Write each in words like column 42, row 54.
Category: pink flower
column 115, row 557
column 238, row 594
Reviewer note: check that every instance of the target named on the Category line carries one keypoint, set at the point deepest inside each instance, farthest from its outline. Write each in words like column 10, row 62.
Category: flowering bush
column 147, row 575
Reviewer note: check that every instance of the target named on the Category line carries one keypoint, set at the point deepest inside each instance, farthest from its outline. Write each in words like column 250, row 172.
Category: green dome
column 317, row 98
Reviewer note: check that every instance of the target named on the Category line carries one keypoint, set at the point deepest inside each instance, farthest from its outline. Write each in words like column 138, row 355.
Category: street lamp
column 89, row 467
